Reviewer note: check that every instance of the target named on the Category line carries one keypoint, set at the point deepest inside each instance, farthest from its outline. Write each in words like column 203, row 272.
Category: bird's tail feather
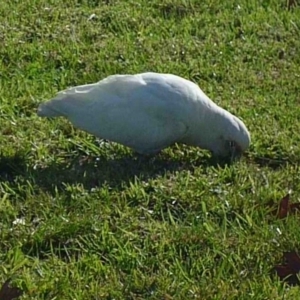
column 65, row 101
column 49, row 110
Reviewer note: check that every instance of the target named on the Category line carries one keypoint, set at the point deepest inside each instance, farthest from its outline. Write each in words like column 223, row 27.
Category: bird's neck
column 209, row 126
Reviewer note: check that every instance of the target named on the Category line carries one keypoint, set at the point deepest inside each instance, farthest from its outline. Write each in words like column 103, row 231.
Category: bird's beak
column 235, row 151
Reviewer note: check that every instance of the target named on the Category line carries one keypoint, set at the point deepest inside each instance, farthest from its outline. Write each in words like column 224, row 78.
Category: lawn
column 82, row 218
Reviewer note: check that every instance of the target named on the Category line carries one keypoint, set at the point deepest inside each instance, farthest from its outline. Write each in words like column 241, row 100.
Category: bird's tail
column 48, row 110
column 66, row 101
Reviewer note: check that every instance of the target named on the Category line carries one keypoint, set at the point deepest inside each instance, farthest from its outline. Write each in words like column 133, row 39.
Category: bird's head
column 233, row 140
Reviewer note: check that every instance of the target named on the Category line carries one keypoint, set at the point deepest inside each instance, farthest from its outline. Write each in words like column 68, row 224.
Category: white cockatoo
column 149, row 112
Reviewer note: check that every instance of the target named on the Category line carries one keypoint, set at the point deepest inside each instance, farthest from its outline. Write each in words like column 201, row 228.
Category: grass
column 85, row 219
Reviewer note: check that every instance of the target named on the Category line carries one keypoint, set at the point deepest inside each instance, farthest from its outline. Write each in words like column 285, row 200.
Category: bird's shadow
column 96, row 171
column 92, row 171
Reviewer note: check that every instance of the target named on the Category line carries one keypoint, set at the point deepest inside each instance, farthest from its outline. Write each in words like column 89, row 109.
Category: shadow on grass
column 12, row 166
column 92, row 171
column 271, row 162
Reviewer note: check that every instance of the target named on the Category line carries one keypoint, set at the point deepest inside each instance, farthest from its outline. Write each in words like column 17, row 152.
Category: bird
column 149, row 112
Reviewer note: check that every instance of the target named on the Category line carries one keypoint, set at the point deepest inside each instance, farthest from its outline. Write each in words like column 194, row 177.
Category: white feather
column 148, row 112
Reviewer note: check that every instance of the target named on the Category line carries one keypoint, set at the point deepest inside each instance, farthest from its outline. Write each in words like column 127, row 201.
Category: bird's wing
column 124, row 109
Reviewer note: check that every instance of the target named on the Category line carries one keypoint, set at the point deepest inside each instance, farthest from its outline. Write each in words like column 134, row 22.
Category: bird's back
column 144, row 111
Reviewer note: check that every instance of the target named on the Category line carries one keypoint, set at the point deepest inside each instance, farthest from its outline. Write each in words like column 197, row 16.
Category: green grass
column 80, row 219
